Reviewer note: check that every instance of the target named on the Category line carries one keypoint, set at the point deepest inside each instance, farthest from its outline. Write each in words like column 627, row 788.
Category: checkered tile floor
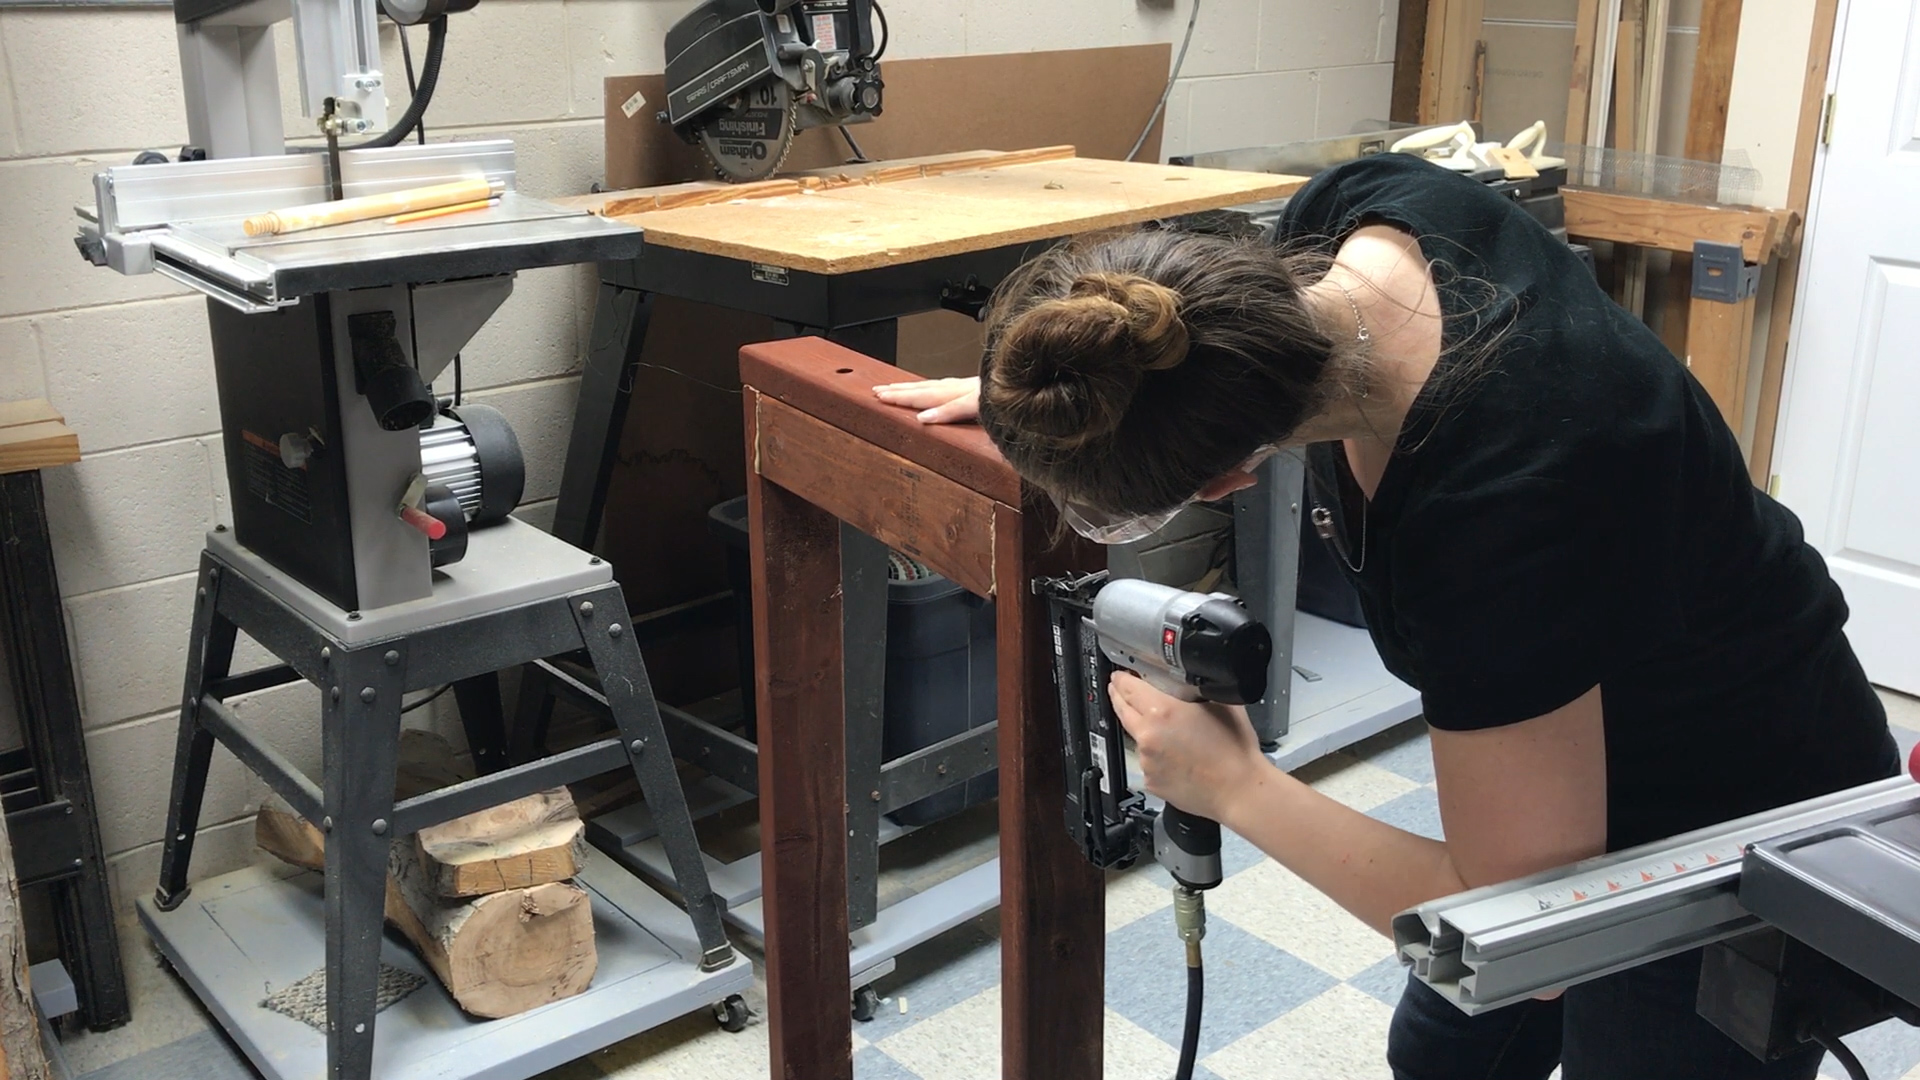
column 1295, row 987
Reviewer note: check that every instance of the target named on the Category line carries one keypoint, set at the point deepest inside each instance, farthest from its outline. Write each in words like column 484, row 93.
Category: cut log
column 497, row 955
column 517, row 845
column 21, row 1055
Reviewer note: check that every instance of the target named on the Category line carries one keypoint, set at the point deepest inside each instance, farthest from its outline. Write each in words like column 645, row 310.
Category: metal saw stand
column 519, row 595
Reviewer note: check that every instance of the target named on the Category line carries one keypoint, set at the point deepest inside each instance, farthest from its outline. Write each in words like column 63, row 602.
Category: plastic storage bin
column 728, row 523
column 940, row 674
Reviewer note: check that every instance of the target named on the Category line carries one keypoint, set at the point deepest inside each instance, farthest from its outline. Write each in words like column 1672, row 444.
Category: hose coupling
column 1190, row 914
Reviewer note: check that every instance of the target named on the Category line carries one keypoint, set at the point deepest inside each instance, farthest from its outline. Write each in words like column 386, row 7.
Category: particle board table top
column 888, row 213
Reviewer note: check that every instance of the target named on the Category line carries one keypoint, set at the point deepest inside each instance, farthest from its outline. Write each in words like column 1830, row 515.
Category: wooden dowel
column 344, row 211
column 441, row 211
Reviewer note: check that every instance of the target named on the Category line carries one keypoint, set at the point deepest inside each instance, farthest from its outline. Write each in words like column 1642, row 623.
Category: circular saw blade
column 750, row 143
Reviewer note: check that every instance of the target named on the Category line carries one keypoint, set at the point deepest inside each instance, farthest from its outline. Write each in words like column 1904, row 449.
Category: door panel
column 1850, row 419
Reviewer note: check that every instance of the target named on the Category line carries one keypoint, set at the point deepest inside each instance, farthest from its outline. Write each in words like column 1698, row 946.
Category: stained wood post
column 822, row 450
column 795, row 551
column 1052, row 901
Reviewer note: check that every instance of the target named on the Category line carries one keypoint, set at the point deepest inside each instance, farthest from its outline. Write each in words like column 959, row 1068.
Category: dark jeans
column 1637, row 1025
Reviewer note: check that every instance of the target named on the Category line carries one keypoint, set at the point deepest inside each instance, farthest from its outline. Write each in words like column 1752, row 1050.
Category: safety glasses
column 1102, row 527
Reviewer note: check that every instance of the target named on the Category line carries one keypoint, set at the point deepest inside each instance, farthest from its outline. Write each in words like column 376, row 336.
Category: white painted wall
column 127, row 359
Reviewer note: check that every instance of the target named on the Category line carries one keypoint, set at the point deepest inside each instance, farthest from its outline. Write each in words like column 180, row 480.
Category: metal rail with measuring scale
column 1810, row 914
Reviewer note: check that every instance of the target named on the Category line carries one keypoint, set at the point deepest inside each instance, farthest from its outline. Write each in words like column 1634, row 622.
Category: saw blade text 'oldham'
column 750, row 143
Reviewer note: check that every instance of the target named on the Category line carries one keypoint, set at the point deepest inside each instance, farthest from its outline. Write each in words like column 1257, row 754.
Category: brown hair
column 1129, row 371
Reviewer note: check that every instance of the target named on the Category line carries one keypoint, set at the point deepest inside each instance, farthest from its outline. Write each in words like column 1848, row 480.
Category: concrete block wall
column 128, row 360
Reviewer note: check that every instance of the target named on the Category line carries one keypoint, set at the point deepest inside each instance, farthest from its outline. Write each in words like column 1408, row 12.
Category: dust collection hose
column 1190, row 918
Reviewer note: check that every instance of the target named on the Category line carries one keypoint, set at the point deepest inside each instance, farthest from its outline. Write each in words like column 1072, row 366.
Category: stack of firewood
column 487, row 900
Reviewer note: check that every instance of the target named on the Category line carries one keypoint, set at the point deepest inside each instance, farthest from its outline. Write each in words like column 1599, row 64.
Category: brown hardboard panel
column 940, row 344
column 1528, row 69
column 1560, row 11
column 680, row 455
column 1676, row 94
column 1092, row 99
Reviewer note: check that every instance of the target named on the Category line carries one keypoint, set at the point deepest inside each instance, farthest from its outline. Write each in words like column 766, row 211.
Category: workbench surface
column 889, row 213
column 34, row 436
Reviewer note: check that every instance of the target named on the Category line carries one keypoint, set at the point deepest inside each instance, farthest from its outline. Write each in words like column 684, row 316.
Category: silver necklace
column 1360, row 332
column 1323, row 517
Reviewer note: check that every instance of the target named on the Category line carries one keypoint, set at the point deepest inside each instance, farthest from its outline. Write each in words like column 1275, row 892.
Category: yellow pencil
column 441, row 211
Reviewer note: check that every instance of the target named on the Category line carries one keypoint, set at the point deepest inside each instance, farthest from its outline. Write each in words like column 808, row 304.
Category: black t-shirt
column 1566, row 508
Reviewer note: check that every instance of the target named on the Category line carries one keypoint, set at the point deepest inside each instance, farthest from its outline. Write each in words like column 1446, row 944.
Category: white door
column 1849, row 464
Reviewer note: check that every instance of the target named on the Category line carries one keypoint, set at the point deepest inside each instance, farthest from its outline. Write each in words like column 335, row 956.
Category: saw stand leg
column 362, row 685
column 1266, row 536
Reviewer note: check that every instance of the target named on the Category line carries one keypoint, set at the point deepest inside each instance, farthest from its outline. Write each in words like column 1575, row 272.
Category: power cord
column 413, row 90
column 423, row 95
column 859, row 155
column 425, row 701
column 1192, row 17
column 886, row 35
column 1846, row 1057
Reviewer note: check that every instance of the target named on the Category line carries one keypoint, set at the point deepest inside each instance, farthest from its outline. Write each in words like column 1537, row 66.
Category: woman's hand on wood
column 940, row 401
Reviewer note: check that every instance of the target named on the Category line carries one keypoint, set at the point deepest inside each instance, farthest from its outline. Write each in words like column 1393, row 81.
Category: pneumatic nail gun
column 1192, row 646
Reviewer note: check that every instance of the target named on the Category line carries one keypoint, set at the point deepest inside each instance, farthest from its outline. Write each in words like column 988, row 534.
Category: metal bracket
column 46, row 842
column 1721, row 273
column 967, row 297
column 1767, row 992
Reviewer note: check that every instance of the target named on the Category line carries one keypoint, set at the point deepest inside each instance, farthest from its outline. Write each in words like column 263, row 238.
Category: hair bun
column 1069, row 366
column 1151, row 313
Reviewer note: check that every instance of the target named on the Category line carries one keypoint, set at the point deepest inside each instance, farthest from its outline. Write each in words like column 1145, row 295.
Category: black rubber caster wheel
column 866, row 1002
column 731, row 1014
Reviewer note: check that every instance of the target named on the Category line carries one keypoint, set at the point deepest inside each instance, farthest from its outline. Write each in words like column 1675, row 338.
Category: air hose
column 1190, row 919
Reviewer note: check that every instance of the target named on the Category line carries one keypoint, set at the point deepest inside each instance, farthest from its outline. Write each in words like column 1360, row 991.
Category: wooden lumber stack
column 485, row 899
column 34, row 436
